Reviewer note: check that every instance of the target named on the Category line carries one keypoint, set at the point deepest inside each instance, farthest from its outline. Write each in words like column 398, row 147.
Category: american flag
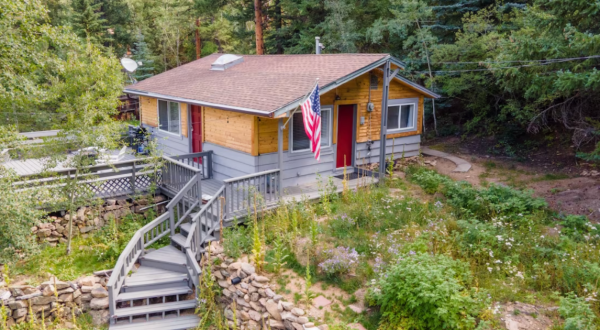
column 311, row 114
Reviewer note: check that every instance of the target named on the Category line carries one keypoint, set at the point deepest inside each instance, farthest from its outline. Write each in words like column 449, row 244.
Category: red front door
column 344, row 135
column 196, row 128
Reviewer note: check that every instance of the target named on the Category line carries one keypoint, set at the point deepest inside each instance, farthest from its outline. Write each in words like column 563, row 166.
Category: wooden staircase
column 161, row 293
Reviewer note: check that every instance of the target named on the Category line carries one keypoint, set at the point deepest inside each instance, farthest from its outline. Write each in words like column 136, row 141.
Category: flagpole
column 302, row 100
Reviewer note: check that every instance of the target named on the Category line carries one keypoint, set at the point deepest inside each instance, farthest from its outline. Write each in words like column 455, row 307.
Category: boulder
column 297, row 326
column 99, row 317
column 248, row 268
column 19, row 313
column 99, row 303
column 269, row 293
column 254, row 315
column 67, row 297
column 99, row 293
column 58, row 284
column 17, row 304
column 275, row 324
column 42, row 300
column 288, row 316
column 48, row 290
column 287, row 305
column 273, row 310
column 298, row 311
column 261, row 279
column 302, row 320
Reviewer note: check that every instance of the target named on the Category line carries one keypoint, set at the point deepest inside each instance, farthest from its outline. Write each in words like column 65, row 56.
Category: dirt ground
column 563, row 187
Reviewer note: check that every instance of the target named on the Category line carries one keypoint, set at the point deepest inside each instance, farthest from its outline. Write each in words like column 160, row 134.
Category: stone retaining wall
column 257, row 306
column 55, row 298
column 88, row 219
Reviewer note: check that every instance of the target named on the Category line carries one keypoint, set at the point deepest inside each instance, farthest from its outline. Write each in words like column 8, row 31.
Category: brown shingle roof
column 264, row 83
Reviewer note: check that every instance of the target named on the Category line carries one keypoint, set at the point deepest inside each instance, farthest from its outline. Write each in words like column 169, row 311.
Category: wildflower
column 490, row 269
column 412, row 253
column 491, row 254
column 498, row 261
column 408, row 208
column 520, row 275
column 439, row 204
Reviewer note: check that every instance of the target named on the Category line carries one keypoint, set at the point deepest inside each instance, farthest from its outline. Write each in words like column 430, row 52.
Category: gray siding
column 170, row 144
column 301, row 167
column 408, row 145
column 229, row 163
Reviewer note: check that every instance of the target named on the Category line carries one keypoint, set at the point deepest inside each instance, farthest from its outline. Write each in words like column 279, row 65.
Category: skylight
column 226, row 61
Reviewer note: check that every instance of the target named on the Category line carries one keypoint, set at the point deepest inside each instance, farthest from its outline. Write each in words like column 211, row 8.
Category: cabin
column 245, row 109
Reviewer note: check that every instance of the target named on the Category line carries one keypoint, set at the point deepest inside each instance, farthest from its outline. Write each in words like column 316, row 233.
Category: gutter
column 200, row 103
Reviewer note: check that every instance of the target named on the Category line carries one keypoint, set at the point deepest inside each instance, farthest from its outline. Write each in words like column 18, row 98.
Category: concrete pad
column 462, row 166
column 321, row 301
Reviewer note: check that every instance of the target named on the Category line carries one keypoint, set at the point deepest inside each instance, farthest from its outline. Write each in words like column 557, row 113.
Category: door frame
column 354, row 129
column 191, row 128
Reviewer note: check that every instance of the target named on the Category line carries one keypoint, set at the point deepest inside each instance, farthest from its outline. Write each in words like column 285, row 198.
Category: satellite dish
column 129, row 65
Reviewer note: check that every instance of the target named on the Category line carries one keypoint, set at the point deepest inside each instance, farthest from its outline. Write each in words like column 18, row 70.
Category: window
column 400, row 117
column 300, row 141
column 168, row 117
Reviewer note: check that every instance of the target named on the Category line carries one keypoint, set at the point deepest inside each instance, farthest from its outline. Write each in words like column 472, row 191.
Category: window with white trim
column 401, row 117
column 168, row 117
column 300, row 141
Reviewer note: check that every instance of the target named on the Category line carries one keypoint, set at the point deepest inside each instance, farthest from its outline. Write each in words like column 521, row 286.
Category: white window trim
column 168, row 111
column 329, row 109
column 399, row 103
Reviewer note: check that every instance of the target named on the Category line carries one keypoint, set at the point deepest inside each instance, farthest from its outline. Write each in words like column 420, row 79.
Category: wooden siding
column 357, row 92
column 267, row 135
column 229, row 129
column 149, row 111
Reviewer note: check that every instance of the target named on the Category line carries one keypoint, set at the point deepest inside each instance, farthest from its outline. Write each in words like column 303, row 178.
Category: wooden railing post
column 209, row 165
column 172, row 221
column 133, row 178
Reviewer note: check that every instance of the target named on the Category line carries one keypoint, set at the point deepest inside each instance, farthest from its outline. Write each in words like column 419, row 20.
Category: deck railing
column 175, row 175
column 200, row 160
column 146, row 236
column 182, row 205
column 239, row 192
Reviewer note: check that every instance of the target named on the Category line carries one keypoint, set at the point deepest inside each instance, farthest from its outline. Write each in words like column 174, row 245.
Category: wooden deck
column 35, row 166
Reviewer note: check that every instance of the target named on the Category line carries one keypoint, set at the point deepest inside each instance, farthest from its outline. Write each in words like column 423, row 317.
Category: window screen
column 300, row 140
column 163, row 115
column 392, row 118
column 400, row 116
column 168, row 116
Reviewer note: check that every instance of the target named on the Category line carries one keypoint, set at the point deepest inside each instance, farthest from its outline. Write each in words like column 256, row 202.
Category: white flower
column 498, row 261
column 490, row 269
column 491, row 254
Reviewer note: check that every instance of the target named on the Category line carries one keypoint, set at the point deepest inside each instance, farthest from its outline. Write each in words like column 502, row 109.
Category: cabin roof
column 260, row 84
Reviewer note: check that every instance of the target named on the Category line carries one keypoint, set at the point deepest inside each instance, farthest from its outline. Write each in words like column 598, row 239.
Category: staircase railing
column 146, row 236
column 240, row 191
column 200, row 160
column 182, row 205
column 176, row 175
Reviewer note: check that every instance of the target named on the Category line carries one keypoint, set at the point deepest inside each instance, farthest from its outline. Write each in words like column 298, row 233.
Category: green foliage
column 113, row 238
column 577, row 313
column 88, row 21
column 422, row 291
column 19, row 212
column 141, row 54
column 486, row 202
column 578, row 226
column 237, row 241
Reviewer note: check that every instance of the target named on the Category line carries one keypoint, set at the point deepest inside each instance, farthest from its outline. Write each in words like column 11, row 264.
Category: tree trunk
column 260, row 46
column 198, row 41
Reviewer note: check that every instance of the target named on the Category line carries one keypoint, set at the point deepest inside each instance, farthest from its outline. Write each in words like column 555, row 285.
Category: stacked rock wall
column 255, row 304
column 55, row 298
column 89, row 219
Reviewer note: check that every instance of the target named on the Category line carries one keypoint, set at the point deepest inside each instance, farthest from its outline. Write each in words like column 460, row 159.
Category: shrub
column 577, row 313
column 237, row 240
column 422, row 291
column 576, row 226
column 339, row 260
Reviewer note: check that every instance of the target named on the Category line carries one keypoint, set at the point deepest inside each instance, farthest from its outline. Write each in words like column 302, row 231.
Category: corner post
column 280, row 154
column 384, row 113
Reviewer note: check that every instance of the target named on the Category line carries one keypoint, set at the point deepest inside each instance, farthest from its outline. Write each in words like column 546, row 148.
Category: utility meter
column 370, row 107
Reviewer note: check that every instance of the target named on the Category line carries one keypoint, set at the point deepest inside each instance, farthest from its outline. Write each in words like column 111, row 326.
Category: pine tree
column 141, row 54
column 88, row 22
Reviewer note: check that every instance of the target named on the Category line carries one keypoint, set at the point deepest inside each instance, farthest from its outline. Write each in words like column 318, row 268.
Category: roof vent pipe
column 318, row 45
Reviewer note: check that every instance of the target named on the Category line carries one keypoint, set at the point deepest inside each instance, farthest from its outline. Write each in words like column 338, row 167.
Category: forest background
column 515, row 71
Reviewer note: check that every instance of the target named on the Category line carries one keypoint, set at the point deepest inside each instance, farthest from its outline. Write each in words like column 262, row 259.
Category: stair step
column 168, row 254
column 183, row 322
column 154, row 293
column 179, row 240
column 155, row 308
column 147, row 278
column 186, row 228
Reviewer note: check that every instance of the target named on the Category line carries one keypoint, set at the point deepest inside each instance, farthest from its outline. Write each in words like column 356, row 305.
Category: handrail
column 142, row 238
column 182, row 164
column 200, row 160
column 181, row 193
column 250, row 176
